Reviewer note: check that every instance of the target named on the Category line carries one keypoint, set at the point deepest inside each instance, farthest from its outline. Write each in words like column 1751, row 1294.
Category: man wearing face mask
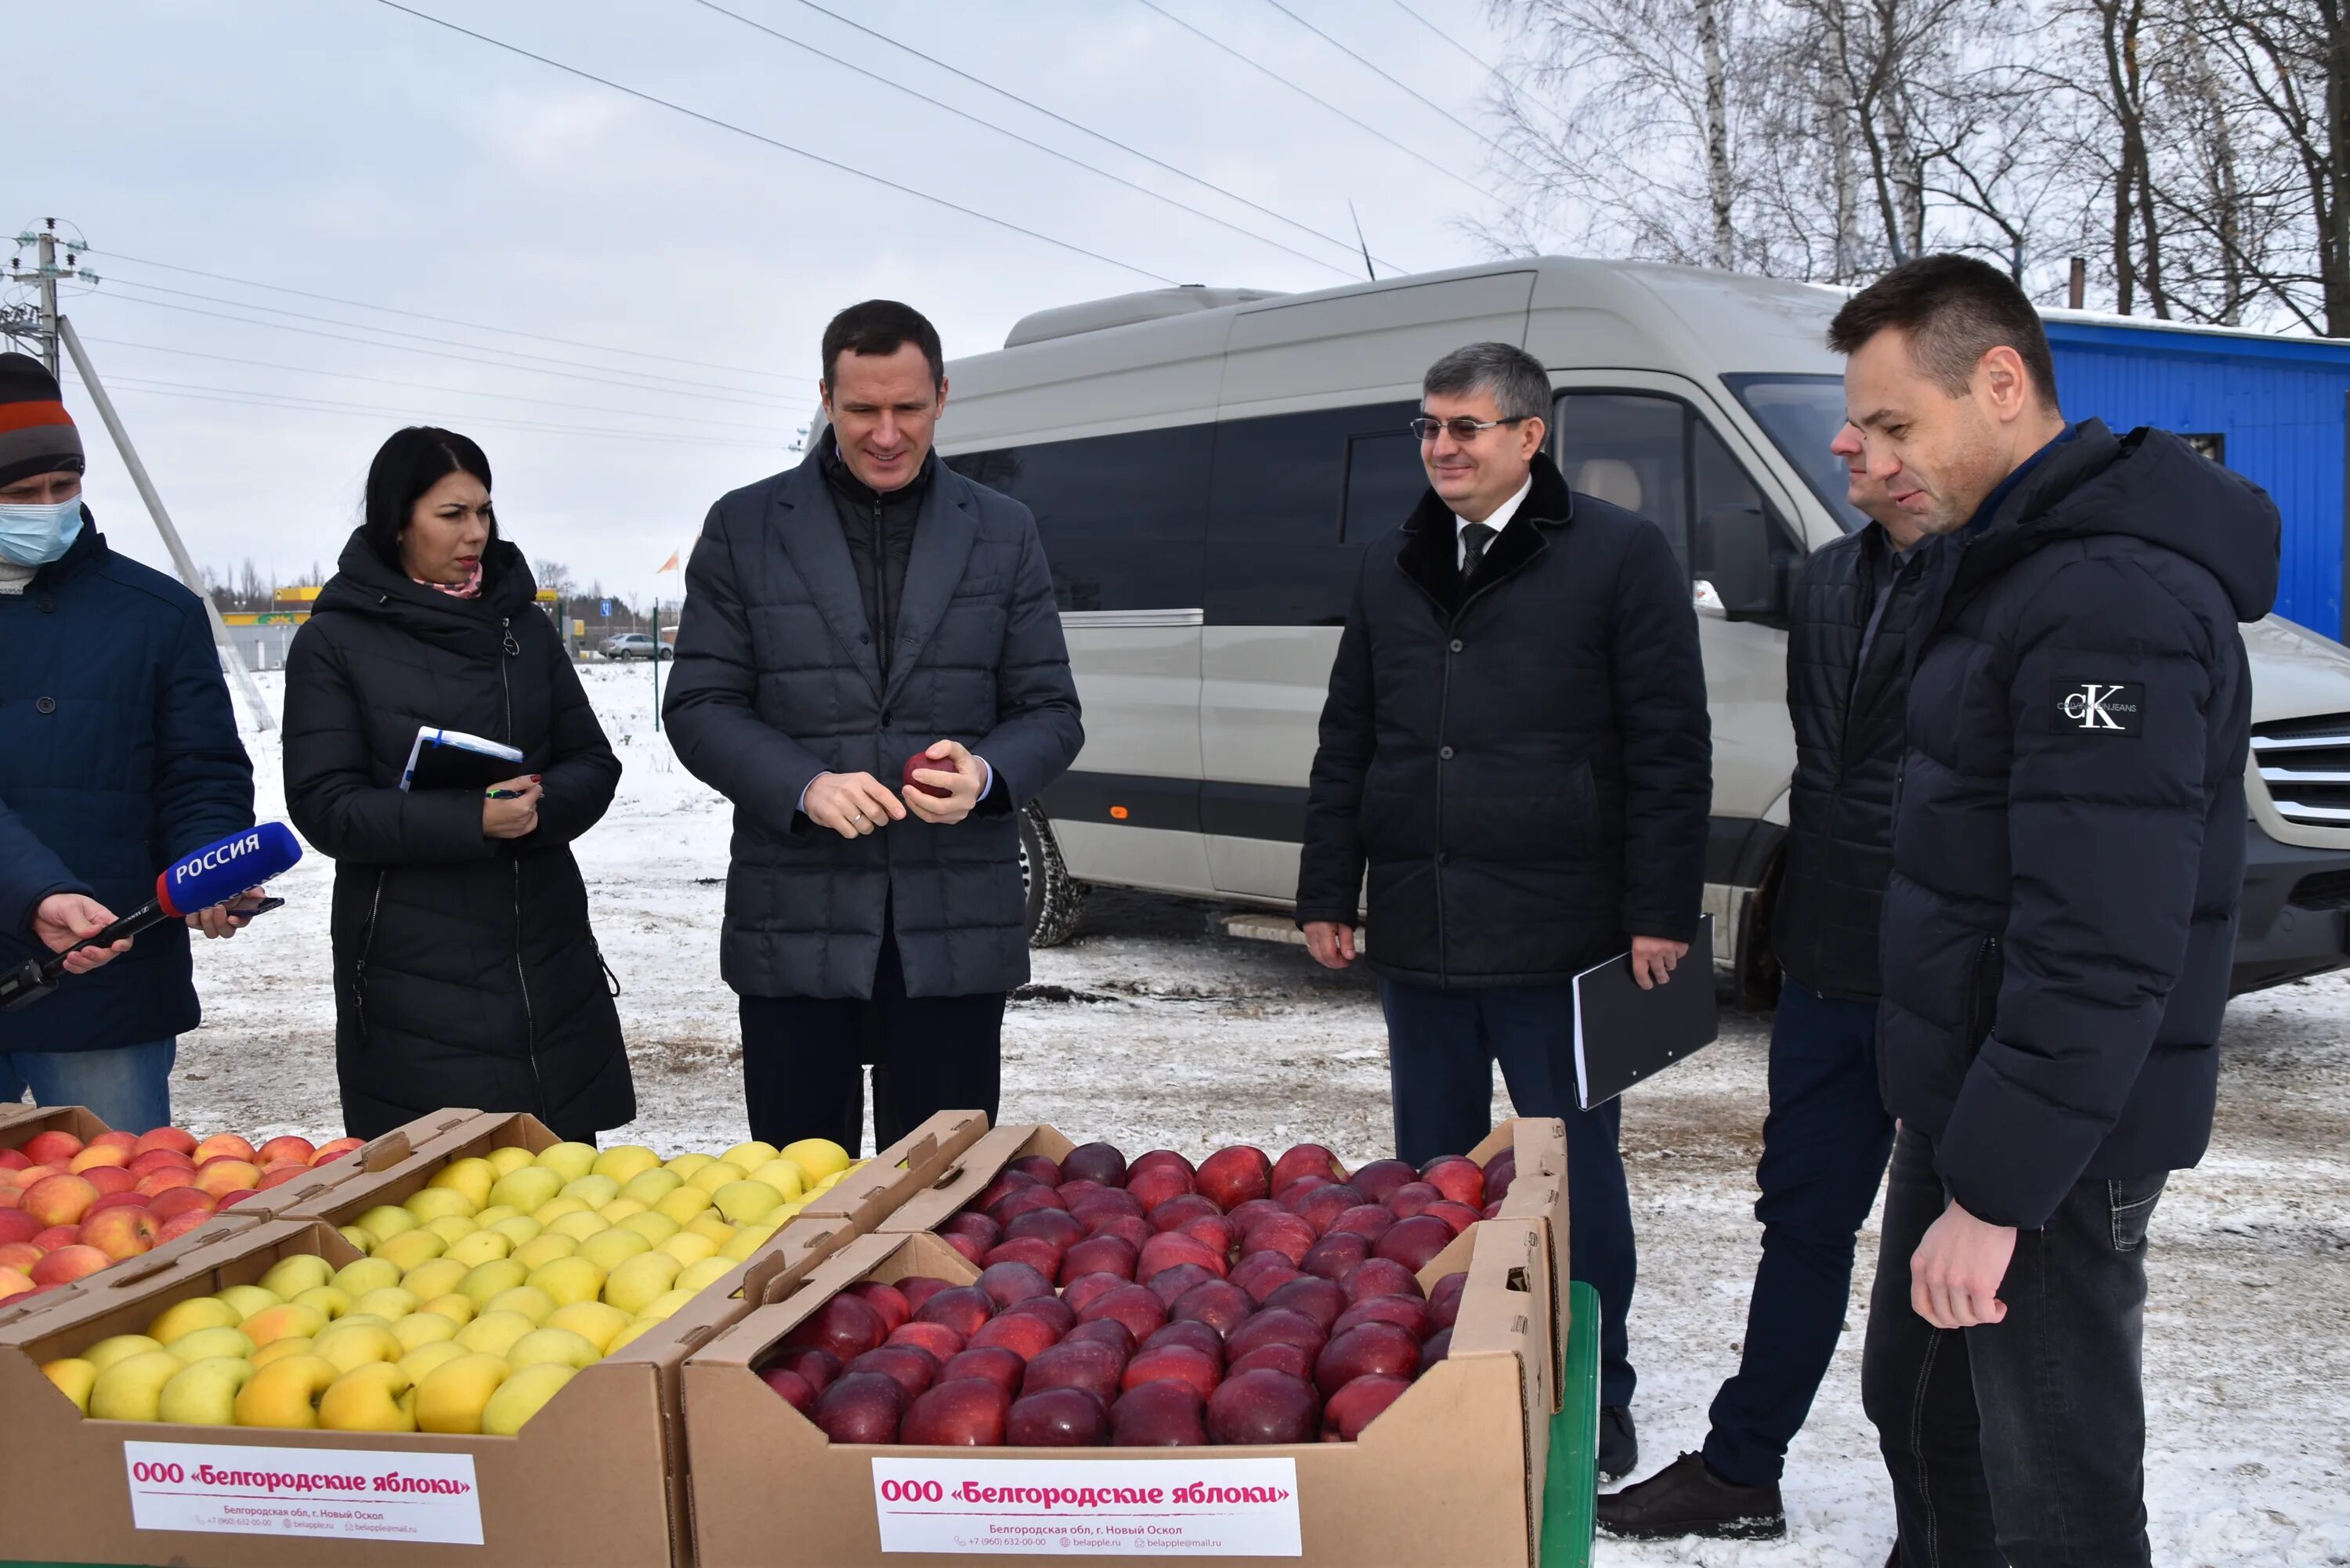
column 841, row 618
column 118, row 754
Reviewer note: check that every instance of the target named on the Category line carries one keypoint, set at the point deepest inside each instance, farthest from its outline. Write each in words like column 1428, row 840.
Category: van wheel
column 1055, row 898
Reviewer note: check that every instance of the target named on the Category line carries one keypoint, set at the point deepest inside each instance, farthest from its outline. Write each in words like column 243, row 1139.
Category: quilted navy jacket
column 2069, row 844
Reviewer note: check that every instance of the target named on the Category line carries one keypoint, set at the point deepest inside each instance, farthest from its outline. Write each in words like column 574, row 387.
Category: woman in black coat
column 465, row 971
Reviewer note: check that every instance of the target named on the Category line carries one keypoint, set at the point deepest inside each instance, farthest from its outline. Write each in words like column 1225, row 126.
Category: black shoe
column 1686, row 1498
column 1619, row 1446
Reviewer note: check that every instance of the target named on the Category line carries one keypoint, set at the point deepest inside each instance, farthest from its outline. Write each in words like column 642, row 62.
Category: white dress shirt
column 1497, row 521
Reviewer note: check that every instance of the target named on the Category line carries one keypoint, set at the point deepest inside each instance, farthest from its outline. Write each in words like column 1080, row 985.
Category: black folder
column 1623, row 1033
column 452, row 759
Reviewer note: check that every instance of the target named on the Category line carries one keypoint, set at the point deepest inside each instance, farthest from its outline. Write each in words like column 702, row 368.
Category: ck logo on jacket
column 2102, row 708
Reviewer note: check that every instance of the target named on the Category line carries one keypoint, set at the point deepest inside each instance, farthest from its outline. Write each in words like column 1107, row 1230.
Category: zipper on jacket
column 1983, row 993
column 521, row 978
column 367, row 946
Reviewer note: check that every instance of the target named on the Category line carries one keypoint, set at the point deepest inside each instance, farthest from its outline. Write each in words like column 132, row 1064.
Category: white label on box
column 350, row 1494
column 1176, row 1508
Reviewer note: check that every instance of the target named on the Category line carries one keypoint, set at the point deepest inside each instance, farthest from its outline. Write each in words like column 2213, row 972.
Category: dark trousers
column 2019, row 1443
column 1442, row 1048
column 803, row 1059
column 1824, row 1149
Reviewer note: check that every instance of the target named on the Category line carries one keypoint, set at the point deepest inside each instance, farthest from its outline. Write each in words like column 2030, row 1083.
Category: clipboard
column 1624, row 1035
column 452, row 759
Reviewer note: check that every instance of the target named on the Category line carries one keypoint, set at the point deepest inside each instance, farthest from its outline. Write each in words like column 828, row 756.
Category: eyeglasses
column 1461, row 429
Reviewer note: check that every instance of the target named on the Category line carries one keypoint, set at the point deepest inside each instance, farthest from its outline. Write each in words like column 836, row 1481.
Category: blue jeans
column 128, row 1088
column 1824, row 1149
column 1442, row 1048
column 2018, row 1444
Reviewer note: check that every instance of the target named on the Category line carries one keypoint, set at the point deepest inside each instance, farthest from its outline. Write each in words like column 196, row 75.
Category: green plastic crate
column 1569, row 1495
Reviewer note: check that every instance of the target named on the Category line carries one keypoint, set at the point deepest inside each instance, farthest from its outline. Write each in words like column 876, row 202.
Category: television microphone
column 212, row 875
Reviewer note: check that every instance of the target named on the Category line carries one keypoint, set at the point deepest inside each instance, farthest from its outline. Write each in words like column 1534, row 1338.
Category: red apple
column 1381, row 1180
column 11, row 1194
column 1412, row 1198
column 995, row 1365
column 1334, row 1255
column 1056, row 1418
column 1500, row 1171
column 1023, row 1333
column 1087, row 1364
column 1379, row 1277
column 1264, row 1407
column 225, row 1174
column 1157, row 1157
column 1458, row 1178
column 57, row 1236
column 14, row 1283
column 1166, row 1414
column 97, row 1154
column 14, row 1159
column 1062, row 1229
column 1409, row 1314
column 1154, row 1185
column 967, row 1244
column 335, row 1149
column 234, row 1197
column 1105, row 1330
column 120, row 1233
column 1321, row 1207
column 1095, row 1162
column 815, row 1365
column 1304, row 1159
column 1100, row 1255
column 1025, row 1200
column 1213, row 1231
column 1042, row 1168
column 1369, row 1220
column 1414, row 1242
column 1262, row 1273
column 181, row 1201
column 178, row 1224
column 1356, row 1405
column 114, row 1200
column 1052, row 1309
column 1141, row 1311
column 1459, row 1216
column 920, row 1288
column 968, row 1413
column 221, row 1145
column 979, row 1228
column 15, row 1225
column 1172, row 1214
column 1367, row 1349
column 1007, row 1182
column 21, row 1255
column 167, row 1140
column 285, row 1145
column 886, row 1299
column 1290, row 1360
column 160, row 1160
column 54, row 1146
column 126, row 1142
column 1104, row 1202
column 1276, row 1326
column 1170, row 1248
column 1437, row 1346
column 861, row 1407
column 1130, row 1229
column 908, row 1366
column 1075, row 1188
column 1284, row 1233
column 1189, row 1331
column 922, row 762
column 846, row 1325
column 1169, row 1285
column 279, row 1175
column 961, row 1308
column 791, row 1386
column 156, row 1183
column 1231, row 1177
column 1221, row 1304
column 1444, row 1300
column 1086, row 1289
column 936, row 1338
column 110, row 1178
column 1180, row 1363
column 1032, row 1253
column 59, row 1199
column 68, row 1263
column 1313, row 1296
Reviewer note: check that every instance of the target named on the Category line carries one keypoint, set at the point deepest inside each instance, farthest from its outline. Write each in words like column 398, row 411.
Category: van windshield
column 1802, row 414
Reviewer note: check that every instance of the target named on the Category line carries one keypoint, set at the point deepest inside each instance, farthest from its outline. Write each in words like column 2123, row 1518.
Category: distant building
column 2276, row 410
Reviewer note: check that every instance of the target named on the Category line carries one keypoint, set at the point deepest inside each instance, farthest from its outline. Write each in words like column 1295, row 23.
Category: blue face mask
column 35, row 535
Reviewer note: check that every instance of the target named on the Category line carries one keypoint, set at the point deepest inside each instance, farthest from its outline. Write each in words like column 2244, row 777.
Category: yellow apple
column 458, row 1309
column 559, row 1345
column 554, row 1208
column 206, row 1343
column 785, row 1176
column 519, row 1228
column 526, row 1299
column 413, row 1249
column 326, row 1299
column 419, row 1329
column 607, row 1249
column 751, row 1155
column 747, row 1240
column 425, row 1357
column 623, row 1162
column 570, row 1280
column 593, row 1320
column 348, row 1347
column 619, row 1209
column 689, row 1247
column 437, row 1278
column 119, row 1347
column 819, row 1157
column 684, row 1203
column 74, row 1378
column 715, row 1175
column 183, row 1318
column 392, row 1303
column 431, row 1203
column 508, row 1159
column 367, row 1274
column 383, row 1222
column 284, row 1394
column 741, row 1202
column 701, row 1276
column 248, row 1299
column 289, row 1277
column 470, row 1177
column 527, row 1189
column 367, row 1398
column 364, row 1240
column 481, row 1247
column 654, row 1228
column 279, row 1349
column 586, row 1222
column 452, row 1396
column 494, row 1332
column 569, row 1160
column 539, row 1251
column 640, row 1280
column 521, row 1396
column 496, row 1214
column 490, row 1278
column 133, row 1389
column 637, row 1326
column 685, row 1165
column 203, row 1394
column 715, row 1225
column 592, row 1190
column 664, row 1305
column 451, row 1227
column 649, row 1186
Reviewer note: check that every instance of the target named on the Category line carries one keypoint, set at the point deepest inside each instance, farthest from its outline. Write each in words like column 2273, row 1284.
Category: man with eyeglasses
column 1515, row 749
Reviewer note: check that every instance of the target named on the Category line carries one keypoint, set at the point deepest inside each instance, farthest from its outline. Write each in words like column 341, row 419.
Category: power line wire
column 1474, row 57
column 444, row 320
column 1047, row 149
column 1266, row 71
column 422, row 386
column 1084, row 129
column 781, row 146
column 1403, row 87
column 440, row 353
column 644, row 376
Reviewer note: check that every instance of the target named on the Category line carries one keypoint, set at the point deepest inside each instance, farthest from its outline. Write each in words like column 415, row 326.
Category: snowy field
column 1147, row 1031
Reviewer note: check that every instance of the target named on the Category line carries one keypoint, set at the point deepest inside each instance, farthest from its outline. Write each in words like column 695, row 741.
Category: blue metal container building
column 2275, row 409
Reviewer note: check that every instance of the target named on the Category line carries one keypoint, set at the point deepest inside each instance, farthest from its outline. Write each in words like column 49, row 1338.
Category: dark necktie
column 1475, row 539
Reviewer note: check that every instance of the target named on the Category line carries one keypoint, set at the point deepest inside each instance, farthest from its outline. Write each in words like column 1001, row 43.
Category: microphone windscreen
column 219, row 872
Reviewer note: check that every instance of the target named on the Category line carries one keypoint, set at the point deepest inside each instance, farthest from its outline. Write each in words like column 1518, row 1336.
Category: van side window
column 1122, row 516
column 1384, row 480
column 1633, row 450
column 1284, row 545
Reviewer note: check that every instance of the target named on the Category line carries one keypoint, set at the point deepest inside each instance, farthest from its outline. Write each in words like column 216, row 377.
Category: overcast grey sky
column 343, row 148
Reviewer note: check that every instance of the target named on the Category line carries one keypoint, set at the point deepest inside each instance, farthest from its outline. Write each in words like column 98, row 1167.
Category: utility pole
column 54, row 333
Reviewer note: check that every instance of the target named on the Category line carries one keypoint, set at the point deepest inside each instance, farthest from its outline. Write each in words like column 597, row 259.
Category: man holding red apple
column 1515, row 752
column 870, row 664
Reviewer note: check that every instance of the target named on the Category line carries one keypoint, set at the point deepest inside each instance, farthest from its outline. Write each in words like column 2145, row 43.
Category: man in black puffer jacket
column 1825, row 1141
column 1515, row 748
column 2068, row 851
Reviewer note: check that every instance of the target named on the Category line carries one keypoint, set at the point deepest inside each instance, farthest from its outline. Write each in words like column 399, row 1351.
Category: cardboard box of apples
column 77, row 1197
column 1248, row 1358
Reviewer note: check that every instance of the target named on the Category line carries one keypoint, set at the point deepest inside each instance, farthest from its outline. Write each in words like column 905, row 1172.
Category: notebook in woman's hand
column 452, row 759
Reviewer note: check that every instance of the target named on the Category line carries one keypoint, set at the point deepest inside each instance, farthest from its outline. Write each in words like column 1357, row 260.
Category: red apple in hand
column 923, row 761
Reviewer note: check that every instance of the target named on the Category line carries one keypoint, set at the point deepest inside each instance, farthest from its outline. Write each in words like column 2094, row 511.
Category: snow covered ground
column 1148, row 1031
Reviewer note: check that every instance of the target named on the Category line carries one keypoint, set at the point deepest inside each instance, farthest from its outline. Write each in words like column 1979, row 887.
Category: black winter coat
column 778, row 681
column 465, row 971
column 118, row 755
column 2069, row 847
column 1526, row 775
column 1848, row 724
